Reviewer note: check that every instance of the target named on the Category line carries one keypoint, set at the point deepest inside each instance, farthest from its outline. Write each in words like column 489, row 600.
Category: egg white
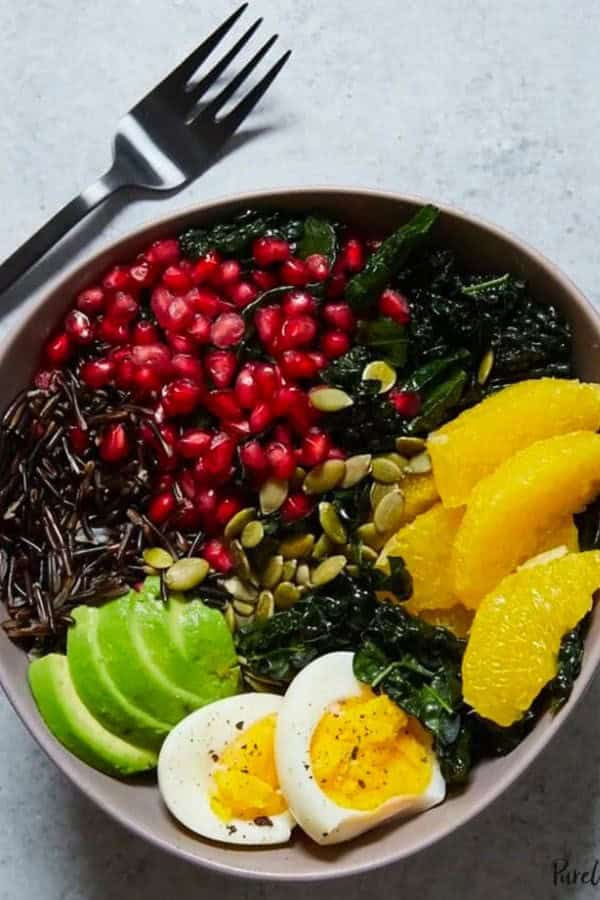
column 186, row 764
column 322, row 683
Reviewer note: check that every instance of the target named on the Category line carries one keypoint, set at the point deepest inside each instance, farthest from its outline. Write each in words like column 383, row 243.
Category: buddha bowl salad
column 304, row 517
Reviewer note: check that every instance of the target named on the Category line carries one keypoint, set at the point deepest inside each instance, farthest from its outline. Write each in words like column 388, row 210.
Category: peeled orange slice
column 457, row 619
column 516, row 633
column 475, row 443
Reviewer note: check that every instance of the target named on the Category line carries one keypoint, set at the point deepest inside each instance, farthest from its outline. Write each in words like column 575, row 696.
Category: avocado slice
column 74, row 726
column 189, row 642
column 132, row 667
column 99, row 692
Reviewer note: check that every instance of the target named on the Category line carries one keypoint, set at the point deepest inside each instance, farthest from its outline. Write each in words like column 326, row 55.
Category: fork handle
column 49, row 234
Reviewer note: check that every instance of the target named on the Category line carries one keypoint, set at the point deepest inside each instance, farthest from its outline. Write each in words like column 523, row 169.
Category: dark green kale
column 236, row 237
column 588, row 527
column 388, row 340
column 346, row 371
column 387, row 261
column 439, row 403
column 570, row 658
column 319, row 236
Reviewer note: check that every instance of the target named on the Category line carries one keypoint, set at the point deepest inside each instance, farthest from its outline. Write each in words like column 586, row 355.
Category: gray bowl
column 138, row 806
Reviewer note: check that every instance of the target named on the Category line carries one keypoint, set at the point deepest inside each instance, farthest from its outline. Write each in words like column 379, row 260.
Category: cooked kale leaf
column 318, row 237
column 236, row 237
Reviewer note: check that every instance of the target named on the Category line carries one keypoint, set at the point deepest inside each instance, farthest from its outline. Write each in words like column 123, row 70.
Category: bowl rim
column 33, row 722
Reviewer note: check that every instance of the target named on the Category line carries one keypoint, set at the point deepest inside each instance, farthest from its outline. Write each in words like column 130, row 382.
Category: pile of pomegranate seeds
column 223, row 367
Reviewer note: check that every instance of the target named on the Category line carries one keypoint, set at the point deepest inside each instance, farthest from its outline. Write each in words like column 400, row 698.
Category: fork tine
column 197, row 90
column 212, row 108
column 234, row 119
column 184, row 71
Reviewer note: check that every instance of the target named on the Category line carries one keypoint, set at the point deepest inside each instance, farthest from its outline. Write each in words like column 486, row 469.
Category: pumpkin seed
column 272, row 494
column 357, row 467
column 410, row 446
column 353, row 569
column 157, row 558
column 229, row 616
column 331, row 523
column 329, row 399
column 385, row 471
column 265, row 606
column 237, row 523
column 378, row 491
column 396, row 458
column 149, row 570
column 185, row 574
column 241, row 563
column 328, row 570
column 369, row 535
column 485, row 367
column 303, row 575
column 322, row 548
column 272, row 572
column 242, row 608
column 241, row 591
column 420, row 464
column 324, row 477
column 252, row 534
column 297, row 546
column 260, row 685
column 389, row 512
column 285, row 595
column 368, row 554
column 289, row 569
column 379, row 370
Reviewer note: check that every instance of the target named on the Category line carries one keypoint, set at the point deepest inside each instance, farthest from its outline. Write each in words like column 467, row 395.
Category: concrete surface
column 493, row 106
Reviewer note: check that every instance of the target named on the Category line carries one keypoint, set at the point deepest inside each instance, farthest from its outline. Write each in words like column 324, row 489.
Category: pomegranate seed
column 221, row 366
column 206, row 502
column 298, row 303
column 206, row 268
column 260, row 417
column 180, row 343
column 217, row 556
column 263, row 280
column 199, row 330
column 267, row 321
column 144, row 333
column 161, row 507
column 337, row 453
column 160, row 301
column 268, row 380
column 118, row 354
column 339, row 316
column 114, row 446
column 179, row 316
column 268, row 251
column 158, row 356
column 58, row 350
column 125, row 373
column 373, row 243
column 282, row 434
column 315, row 448
column 242, row 293
column 220, row 453
column 353, row 255
column 228, row 272
column 394, row 305
column 296, row 364
column 176, row 280
column 147, row 380
column 319, row 359
column 281, row 459
column 79, row 439
column 166, row 448
column 296, row 506
column 164, row 253
column 303, row 417
column 223, row 404
column 91, row 301
column 117, row 279
column 246, row 389
column 227, row 330
column 287, row 398
column 79, row 327
column 407, row 403
column 186, row 366
column 97, row 373
column 181, row 397
column 142, row 274
column 254, row 458
column 164, row 482
column 45, row 379
column 112, row 332
column 294, row 271
column 318, row 267
column 297, row 332
column 205, row 301
column 188, row 517
column 336, row 286
column 123, row 307
column 193, row 443
column 227, row 508
column 335, row 343
column 187, row 484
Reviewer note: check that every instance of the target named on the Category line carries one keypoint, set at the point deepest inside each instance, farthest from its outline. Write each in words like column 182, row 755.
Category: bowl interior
column 138, row 805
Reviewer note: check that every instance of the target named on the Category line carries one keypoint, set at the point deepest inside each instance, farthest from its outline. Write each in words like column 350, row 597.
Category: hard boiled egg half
column 347, row 758
column 217, row 775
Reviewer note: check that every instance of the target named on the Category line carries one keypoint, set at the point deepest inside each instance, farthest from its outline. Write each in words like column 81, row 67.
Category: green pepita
column 303, row 574
column 260, row 685
column 385, row 471
column 323, row 547
column 328, row 570
column 265, row 606
column 410, row 446
column 369, row 535
column 420, row 464
column 389, row 512
column 329, row 399
column 380, row 371
column 186, row 574
column 272, row 494
column 324, row 477
column 285, row 595
column 297, row 546
column 229, row 616
column 237, row 523
column 252, row 534
column 242, row 608
column 485, row 367
column 241, row 563
column 357, row 467
column 331, row 523
column 157, row 558
column 368, row 554
column 271, row 574
column 378, row 491
column 288, row 573
column 240, row 590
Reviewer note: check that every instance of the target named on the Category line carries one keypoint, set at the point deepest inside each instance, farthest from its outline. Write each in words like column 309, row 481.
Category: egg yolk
column 365, row 750
column 245, row 780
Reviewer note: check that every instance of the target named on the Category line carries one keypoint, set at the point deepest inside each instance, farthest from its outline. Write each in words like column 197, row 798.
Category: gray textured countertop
column 491, row 106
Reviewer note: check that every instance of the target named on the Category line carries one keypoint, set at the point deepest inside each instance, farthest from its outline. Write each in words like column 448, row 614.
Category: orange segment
column 517, row 630
column 511, row 510
column 420, row 493
column 475, row 443
column 457, row 619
